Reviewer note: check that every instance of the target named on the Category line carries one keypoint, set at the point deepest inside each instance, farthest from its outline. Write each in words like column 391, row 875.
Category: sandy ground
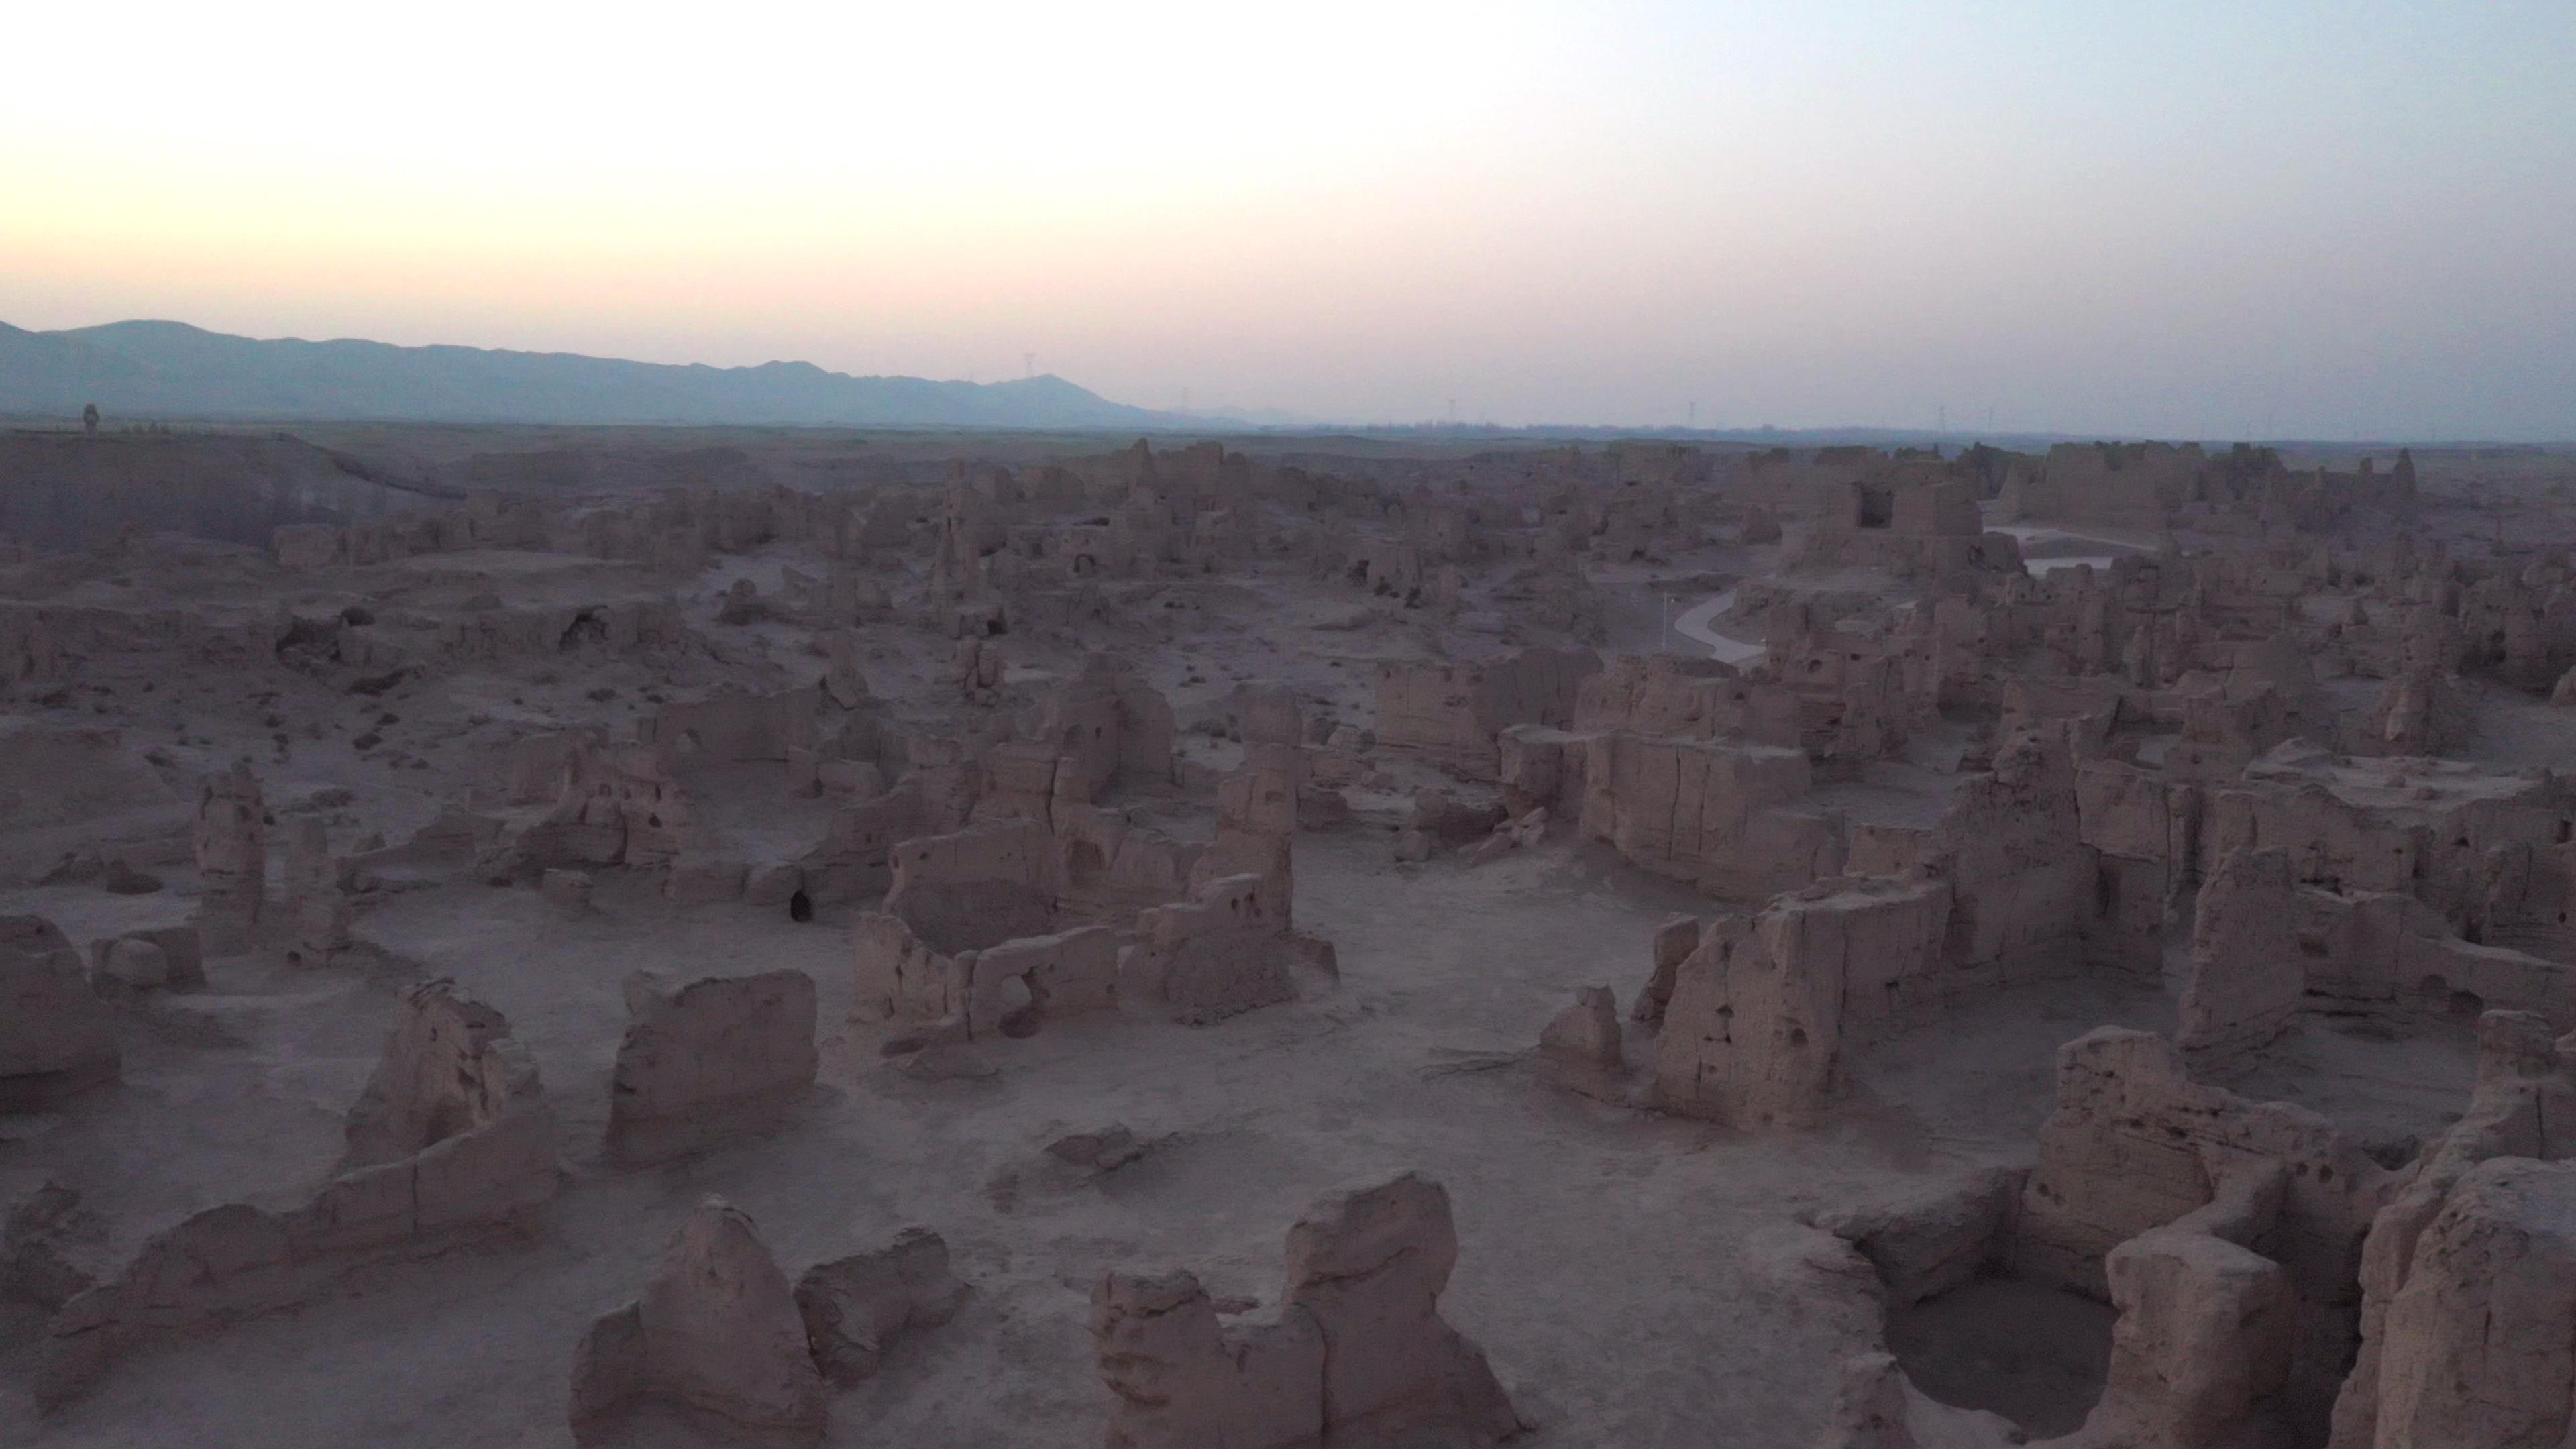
column 1637, row 1280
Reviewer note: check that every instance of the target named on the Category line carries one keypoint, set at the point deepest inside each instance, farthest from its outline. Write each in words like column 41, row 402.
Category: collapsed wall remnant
column 855, row 858
column 451, row 1071
column 317, row 909
column 231, row 839
column 1452, row 712
column 615, row 805
column 2134, row 1144
column 2524, row 1106
column 1762, row 1010
column 1256, row 804
column 2248, row 975
column 1005, row 990
column 56, row 1037
column 1916, row 523
column 1226, row 950
column 1358, row 1352
column 976, row 887
column 1719, row 813
column 2022, row 881
column 965, row 940
column 2200, row 1355
column 1674, row 942
column 451, row 1141
column 853, row 1307
column 716, row 1335
column 1182, row 1380
column 1585, row 1034
column 2140, row 828
column 701, row 1063
column 130, row 962
column 173, row 955
column 2419, row 712
column 1927, row 1241
column 1109, row 726
column 1112, row 864
column 2480, row 1345
column 1581, row 1048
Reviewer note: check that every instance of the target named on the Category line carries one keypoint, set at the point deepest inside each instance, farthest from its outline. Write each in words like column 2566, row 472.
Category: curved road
column 1694, row 625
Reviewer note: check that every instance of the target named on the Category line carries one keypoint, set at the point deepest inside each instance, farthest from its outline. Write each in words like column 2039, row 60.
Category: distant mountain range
column 172, row 370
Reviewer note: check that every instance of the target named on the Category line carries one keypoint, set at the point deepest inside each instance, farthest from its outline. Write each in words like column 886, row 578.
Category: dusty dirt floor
column 1624, row 1271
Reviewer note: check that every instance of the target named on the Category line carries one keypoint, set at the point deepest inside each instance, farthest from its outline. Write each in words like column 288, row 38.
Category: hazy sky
column 2282, row 216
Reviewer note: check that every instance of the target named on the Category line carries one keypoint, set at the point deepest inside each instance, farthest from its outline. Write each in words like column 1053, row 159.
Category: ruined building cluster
column 1104, row 780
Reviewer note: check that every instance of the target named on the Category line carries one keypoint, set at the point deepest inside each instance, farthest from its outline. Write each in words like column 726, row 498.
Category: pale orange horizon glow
column 2077, row 217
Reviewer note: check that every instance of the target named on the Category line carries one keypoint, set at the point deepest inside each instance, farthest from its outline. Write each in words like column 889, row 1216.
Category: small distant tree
column 89, row 419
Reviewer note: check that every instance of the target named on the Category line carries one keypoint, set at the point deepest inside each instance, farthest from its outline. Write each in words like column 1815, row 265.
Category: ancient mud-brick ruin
column 1358, row 1354
column 716, row 1335
column 715, row 1058
column 705, row 939
column 452, row 1141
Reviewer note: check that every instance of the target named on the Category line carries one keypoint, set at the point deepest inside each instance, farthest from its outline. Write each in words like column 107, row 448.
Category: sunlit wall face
column 2203, row 220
